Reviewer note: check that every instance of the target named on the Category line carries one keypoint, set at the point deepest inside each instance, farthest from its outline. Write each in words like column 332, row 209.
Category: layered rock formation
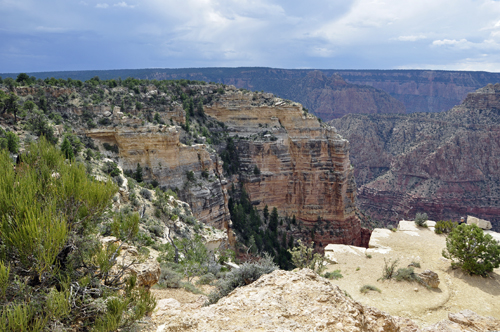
column 423, row 90
column 445, row 164
column 159, row 151
column 304, row 166
column 332, row 97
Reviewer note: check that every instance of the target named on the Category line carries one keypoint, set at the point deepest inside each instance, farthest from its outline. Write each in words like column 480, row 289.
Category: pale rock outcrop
column 300, row 301
column 147, row 270
column 481, row 223
column 288, row 301
column 377, row 235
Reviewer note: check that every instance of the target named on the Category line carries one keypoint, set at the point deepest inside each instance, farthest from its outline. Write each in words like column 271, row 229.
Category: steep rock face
column 164, row 158
column 445, row 164
column 304, row 166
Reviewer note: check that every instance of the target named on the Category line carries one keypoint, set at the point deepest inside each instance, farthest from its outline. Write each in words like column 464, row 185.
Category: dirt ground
column 457, row 290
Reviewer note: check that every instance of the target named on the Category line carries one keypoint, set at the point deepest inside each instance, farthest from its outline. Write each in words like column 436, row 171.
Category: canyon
column 304, row 164
column 445, row 164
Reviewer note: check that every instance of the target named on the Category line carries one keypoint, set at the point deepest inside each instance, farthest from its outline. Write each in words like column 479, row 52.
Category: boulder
column 481, row 223
column 147, row 271
column 431, row 278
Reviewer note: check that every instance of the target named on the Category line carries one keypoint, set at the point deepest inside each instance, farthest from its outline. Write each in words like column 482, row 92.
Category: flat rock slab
column 407, row 226
column 377, row 235
column 343, row 248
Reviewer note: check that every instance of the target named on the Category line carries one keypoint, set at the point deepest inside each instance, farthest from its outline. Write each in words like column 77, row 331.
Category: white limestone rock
column 481, row 223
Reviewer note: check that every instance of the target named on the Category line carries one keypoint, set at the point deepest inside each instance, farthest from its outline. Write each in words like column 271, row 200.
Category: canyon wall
column 446, row 164
column 304, row 165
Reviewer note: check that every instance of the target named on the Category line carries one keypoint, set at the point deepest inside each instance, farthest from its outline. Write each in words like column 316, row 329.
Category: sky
column 57, row 35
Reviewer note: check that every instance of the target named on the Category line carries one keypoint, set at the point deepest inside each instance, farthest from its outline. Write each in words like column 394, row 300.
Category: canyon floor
column 457, row 290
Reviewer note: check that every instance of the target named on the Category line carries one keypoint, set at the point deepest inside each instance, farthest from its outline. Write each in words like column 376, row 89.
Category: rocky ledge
column 301, row 301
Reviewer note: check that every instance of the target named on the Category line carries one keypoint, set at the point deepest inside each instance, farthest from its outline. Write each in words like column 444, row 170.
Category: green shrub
column 420, row 219
column 205, row 279
column 414, row 264
column 333, row 275
column 406, row 273
column 111, row 168
column 190, row 287
column 113, row 148
column 304, row 257
column 472, row 250
column 443, row 226
column 190, row 176
column 4, row 278
column 12, row 142
column 246, row 274
column 169, row 278
column 366, row 288
column 49, row 241
column 146, row 193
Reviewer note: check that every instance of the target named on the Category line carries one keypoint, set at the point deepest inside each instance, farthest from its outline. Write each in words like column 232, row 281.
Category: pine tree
column 66, row 149
column 138, row 173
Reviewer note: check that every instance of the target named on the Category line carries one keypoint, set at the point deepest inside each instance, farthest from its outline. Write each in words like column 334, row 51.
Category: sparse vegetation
column 366, row 288
column 389, row 270
column 246, row 274
column 333, row 275
column 420, row 219
column 304, row 256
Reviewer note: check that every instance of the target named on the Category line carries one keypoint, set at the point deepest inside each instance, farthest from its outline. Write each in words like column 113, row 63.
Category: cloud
column 462, row 43
column 123, row 4
column 411, row 38
column 353, row 34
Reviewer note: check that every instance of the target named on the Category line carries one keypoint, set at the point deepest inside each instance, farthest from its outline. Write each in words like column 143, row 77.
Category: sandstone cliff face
column 159, row 151
column 304, row 165
column 444, row 164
